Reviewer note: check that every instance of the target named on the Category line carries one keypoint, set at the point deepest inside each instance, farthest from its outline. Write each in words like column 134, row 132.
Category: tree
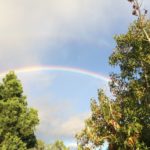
column 101, row 125
column 40, row 145
column 58, row 145
column 12, row 142
column 17, row 121
column 124, row 122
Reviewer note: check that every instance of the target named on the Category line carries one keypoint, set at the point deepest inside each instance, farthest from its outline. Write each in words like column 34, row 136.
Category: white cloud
column 57, row 124
column 72, row 125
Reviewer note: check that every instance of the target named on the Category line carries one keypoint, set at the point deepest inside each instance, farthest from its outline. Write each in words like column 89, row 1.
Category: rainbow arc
column 62, row 69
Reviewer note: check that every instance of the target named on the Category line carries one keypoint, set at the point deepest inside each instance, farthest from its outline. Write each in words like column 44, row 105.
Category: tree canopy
column 17, row 120
column 124, row 121
column 57, row 145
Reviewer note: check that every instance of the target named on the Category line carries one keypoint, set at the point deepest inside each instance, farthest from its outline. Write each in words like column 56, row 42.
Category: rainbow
column 60, row 68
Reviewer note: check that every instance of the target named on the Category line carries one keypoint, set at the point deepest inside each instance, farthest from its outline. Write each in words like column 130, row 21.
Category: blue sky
column 74, row 33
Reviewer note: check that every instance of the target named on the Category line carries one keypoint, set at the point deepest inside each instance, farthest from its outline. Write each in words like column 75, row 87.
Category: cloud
column 29, row 29
column 58, row 120
column 72, row 125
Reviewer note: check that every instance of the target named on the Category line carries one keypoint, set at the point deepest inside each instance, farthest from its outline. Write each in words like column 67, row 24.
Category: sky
column 67, row 33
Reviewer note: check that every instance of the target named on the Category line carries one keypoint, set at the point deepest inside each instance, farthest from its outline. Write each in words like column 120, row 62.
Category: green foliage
column 17, row 121
column 102, row 124
column 40, row 145
column 12, row 142
column 124, row 122
column 58, row 145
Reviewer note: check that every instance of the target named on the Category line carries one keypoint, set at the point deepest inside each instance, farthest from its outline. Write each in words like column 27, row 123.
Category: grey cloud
column 28, row 27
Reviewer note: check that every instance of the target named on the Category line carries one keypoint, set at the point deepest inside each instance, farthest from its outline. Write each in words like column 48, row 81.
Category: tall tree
column 124, row 122
column 17, row 120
